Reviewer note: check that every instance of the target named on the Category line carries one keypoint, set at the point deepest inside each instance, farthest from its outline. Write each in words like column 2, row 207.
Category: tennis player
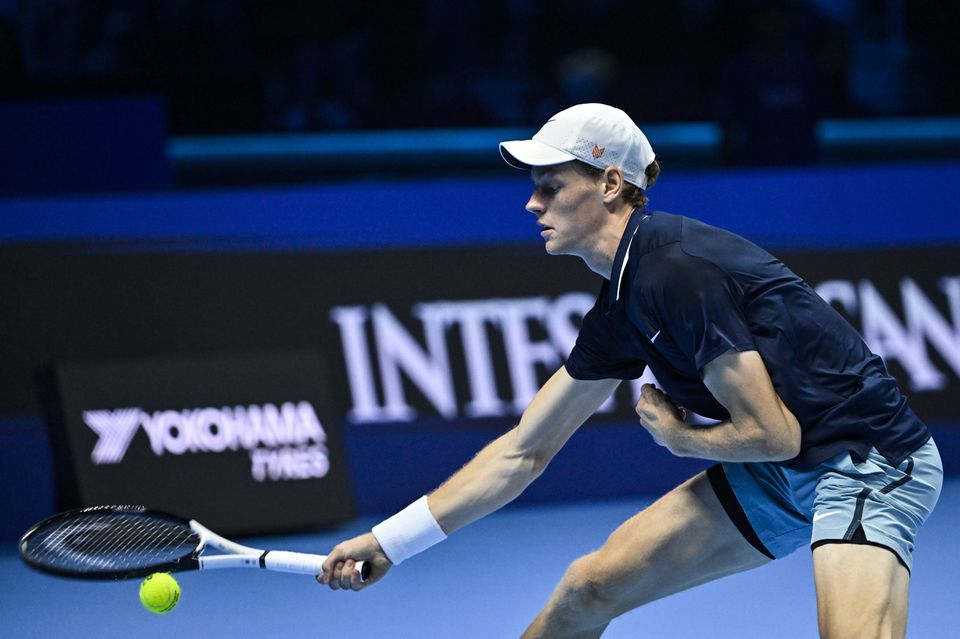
column 816, row 446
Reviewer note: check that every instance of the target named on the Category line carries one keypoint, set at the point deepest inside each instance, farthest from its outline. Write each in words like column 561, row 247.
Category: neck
column 601, row 254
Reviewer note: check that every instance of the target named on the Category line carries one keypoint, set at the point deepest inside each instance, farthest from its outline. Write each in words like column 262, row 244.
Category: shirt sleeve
column 701, row 307
column 596, row 355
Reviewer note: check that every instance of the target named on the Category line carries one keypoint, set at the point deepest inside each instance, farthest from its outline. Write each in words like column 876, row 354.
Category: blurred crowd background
column 766, row 70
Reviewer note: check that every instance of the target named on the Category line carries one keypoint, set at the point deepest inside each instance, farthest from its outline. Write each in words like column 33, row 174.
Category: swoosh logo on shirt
column 655, row 336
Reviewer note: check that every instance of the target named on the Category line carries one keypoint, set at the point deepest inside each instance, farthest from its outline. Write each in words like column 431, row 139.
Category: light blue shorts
column 779, row 510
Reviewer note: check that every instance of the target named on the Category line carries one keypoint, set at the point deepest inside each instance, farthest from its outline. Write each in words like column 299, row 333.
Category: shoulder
column 685, row 252
column 723, row 248
column 670, row 269
column 671, row 282
column 679, row 241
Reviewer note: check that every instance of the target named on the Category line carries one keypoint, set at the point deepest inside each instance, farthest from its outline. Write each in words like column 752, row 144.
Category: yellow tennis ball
column 159, row 592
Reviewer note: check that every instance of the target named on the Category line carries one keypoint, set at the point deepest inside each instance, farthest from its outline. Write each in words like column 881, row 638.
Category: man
column 816, row 444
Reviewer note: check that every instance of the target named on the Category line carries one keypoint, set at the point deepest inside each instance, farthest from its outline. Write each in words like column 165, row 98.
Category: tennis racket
column 125, row 542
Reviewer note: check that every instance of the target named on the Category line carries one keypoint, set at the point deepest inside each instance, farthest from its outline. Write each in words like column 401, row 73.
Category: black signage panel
column 450, row 338
column 247, row 443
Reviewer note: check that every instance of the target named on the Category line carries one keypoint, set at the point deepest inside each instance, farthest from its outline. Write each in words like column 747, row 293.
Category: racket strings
column 111, row 541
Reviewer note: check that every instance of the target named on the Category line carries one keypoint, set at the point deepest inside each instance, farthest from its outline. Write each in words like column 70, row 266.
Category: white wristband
column 410, row 531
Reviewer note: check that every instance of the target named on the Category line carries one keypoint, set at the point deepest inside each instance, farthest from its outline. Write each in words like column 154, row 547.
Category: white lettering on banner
column 289, row 463
column 904, row 341
column 893, row 340
column 351, row 321
column 951, row 288
column 523, row 354
column 285, row 442
column 923, row 316
column 375, row 335
column 472, row 318
column 428, row 367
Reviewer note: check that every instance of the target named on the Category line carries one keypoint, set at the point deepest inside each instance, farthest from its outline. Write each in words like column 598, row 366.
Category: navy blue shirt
column 682, row 293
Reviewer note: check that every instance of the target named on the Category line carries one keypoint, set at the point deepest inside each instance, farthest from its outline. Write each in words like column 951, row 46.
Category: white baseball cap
column 597, row 134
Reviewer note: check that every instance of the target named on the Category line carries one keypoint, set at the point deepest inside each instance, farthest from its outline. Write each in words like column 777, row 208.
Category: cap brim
column 523, row 154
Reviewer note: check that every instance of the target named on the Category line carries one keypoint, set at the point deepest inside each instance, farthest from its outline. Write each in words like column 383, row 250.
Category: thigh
column 682, row 540
column 862, row 591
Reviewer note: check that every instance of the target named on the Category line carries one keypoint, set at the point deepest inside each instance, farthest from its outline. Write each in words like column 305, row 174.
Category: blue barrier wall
column 817, row 207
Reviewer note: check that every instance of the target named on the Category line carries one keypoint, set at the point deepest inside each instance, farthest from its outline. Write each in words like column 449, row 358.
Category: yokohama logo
column 284, row 442
column 115, row 430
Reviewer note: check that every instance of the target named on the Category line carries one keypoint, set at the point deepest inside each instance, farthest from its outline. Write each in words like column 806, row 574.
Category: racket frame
column 235, row 555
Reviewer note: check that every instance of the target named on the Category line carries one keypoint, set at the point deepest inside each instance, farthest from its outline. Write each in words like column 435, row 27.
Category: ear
column 612, row 182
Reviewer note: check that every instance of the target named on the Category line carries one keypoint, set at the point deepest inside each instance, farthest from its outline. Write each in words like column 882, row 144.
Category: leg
column 862, row 592
column 682, row 540
column 869, row 515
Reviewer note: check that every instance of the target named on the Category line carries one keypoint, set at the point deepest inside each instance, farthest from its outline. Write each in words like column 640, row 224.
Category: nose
column 534, row 205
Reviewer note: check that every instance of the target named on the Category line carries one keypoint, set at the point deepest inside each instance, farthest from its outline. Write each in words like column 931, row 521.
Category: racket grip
column 302, row 563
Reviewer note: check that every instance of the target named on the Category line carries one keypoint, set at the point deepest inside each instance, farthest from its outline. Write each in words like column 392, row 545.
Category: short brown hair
column 632, row 194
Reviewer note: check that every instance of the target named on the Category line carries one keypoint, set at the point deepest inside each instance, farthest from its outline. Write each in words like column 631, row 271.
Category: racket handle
column 303, row 563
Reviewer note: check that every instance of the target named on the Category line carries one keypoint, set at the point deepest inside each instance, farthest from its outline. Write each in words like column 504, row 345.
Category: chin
column 550, row 245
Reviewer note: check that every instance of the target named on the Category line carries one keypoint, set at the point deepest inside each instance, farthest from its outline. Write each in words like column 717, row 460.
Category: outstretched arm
column 502, row 470
column 760, row 428
column 494, row 477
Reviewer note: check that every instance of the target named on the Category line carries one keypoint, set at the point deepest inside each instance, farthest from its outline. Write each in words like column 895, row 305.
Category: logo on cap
column 598, row 151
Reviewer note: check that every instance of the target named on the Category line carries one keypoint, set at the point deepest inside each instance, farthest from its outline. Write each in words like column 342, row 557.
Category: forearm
column 761, row 427
column 729, row 441
column 492, row 479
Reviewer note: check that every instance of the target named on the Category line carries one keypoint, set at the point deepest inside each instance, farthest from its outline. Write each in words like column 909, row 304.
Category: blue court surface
column 488, row 580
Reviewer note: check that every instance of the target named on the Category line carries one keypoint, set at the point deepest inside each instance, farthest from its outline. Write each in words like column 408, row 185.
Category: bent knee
column 598, row 586
column 587, row 590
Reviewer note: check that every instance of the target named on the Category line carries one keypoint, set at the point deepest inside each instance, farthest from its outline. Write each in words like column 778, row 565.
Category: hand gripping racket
column 125, row 542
